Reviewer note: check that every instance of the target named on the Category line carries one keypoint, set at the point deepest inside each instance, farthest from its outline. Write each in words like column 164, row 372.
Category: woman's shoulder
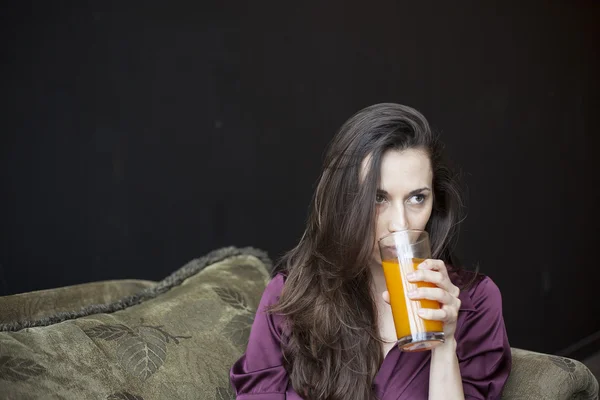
column 273, row 290
column 479, row 293
column 485, row 291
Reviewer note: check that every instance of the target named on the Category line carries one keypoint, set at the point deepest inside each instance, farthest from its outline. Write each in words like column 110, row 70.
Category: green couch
column 176, row 339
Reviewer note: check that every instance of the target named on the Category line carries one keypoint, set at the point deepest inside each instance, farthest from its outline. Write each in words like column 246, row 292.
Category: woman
column 324, row 327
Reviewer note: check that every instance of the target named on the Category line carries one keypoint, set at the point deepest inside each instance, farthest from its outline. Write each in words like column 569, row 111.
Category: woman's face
column 405, row 196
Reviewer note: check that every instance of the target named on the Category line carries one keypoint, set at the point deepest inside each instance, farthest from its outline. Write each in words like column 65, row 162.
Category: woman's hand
column 445, row 292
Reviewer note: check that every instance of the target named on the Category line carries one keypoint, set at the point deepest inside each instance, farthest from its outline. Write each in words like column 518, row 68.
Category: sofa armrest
column 543, row 376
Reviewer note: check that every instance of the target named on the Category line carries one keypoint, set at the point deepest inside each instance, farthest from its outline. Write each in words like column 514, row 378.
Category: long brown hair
column 332, row 346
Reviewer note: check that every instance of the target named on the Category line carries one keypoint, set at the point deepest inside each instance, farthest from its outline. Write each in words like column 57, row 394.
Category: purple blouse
column 482, row 349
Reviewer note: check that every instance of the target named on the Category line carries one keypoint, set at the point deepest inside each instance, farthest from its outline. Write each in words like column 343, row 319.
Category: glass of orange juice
column 401, row 253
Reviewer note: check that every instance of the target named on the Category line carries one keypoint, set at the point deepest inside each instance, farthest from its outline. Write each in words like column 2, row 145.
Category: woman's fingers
column 438, row 278
column 445, row 314
column 435, row 265
column 443, row 291
column 426, row 275
column 386, row 296
column 440, row 295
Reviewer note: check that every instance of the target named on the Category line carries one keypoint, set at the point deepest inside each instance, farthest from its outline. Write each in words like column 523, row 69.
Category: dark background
column 136, row 137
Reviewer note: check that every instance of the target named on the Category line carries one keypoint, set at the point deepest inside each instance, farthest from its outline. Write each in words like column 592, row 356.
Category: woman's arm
column 445, row 381
column 475, row 360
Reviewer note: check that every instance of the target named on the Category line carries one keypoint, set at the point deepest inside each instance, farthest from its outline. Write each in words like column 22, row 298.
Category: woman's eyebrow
column 411, row 193
column 417, row 191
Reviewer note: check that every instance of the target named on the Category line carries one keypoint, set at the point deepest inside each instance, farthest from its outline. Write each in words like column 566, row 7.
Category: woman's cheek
column 376, row 257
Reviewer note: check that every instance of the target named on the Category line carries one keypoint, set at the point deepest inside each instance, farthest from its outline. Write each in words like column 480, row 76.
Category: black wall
column 136, row 137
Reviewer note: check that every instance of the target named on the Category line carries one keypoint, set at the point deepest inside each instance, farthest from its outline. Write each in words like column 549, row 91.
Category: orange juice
column 404, row 310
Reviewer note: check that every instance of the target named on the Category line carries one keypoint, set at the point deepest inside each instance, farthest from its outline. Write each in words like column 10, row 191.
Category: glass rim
column 402, row 231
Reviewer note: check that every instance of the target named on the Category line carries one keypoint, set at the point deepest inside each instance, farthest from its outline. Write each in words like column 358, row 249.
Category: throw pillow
column 48, row 303
column 175, row 340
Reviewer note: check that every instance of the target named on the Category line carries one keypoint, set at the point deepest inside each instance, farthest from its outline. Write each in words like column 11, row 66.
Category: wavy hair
column 332, row 346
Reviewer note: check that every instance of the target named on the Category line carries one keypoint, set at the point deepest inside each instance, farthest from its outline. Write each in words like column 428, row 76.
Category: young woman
column 324, row 327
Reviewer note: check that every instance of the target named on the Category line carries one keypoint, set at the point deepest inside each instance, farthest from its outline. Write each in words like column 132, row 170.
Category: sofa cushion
column 174, row 340
column 42, row 304
column 542, row 376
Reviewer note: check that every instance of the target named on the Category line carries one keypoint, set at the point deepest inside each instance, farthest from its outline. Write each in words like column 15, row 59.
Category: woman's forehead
column 401, row 169
column 405, row 171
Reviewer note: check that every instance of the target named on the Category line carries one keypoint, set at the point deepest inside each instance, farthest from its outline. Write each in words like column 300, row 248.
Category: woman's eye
column 379, row 199
column 417, row 199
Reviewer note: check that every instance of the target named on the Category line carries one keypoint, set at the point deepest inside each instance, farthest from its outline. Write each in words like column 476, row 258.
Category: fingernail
column 410, row 276
column 412, row 293
column 422, row 312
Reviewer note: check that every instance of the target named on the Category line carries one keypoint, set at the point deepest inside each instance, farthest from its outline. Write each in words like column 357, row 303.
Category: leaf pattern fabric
column 124, row 396
column 19, row 369
column 178, row 345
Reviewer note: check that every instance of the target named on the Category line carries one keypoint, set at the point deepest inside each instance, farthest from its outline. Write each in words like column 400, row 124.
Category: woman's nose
column 398, row 222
